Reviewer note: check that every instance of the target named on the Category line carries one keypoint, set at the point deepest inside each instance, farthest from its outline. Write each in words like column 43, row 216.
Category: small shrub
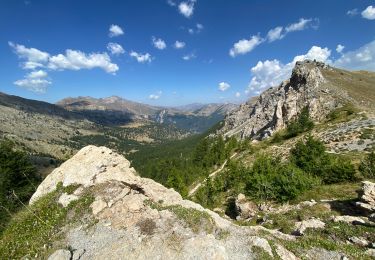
column 302, row 124
column 367, row 166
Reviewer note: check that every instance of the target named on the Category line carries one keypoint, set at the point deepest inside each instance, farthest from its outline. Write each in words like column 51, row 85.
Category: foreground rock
column 300, row 227
column 367, row 197
column 137, row 218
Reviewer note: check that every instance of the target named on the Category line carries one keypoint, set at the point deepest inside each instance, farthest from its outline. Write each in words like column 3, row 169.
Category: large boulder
column 137, row 218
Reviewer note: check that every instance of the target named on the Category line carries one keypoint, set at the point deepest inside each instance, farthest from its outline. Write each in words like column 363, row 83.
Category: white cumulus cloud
column 361, row 59
column 34, row 85
column 34, row 81
column 244, row 46
column 159, row 43
column 369, row 13
column 223, row 86
column 141, row 58
column 115, row 30
column 77, row 60
column 115, row 48
column 186, row 8
column 270, row 73
column 179, row 45
column 340, row 48
column 33, row 59
column 31, row 55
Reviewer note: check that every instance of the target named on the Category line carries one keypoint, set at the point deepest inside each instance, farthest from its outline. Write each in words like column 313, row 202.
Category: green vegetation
column 33, row 230
column 195, row 219
column 333, row 238
column 270, row 179
column 301, row 124
column 342, row 114
column 310, row 156
column 367, row 166
column 18, row 181
column 179, row 164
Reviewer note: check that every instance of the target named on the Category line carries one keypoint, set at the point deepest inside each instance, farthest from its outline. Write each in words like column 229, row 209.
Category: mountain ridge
column 314, row 85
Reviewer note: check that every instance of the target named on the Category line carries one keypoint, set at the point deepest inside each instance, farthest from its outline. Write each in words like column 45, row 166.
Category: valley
column 282, row 167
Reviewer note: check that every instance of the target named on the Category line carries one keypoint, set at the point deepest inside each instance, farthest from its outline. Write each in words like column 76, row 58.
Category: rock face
column 137, row 218
column 277, row 106
column 367, row 197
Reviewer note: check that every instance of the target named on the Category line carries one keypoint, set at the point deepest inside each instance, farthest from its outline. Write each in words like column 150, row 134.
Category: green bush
column 18, row 180
column 310, row 156
column 367, row 166
column 302, row 124
column 269, row 179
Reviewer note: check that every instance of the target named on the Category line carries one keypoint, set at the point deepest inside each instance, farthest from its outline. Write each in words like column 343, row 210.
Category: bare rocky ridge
column 314, row 85
column 137, row 218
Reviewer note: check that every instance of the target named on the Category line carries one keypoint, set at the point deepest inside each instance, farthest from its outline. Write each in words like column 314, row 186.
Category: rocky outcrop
column 277, row 106
column 137, row 218
column 245, row 209
column 367, row 197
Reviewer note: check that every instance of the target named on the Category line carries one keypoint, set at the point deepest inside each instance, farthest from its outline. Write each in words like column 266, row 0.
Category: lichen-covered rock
column 300, row 227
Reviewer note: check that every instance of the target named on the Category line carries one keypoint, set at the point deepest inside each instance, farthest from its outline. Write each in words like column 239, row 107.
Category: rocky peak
column 277, row 106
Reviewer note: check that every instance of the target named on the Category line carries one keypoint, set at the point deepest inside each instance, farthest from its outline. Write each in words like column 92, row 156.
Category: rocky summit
column 136, row 218
column 313, row 85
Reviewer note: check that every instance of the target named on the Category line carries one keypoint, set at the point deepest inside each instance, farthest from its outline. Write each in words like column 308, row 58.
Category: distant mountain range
column 115, row 110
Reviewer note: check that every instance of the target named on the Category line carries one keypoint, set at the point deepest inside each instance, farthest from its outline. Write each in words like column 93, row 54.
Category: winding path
column 212, row 174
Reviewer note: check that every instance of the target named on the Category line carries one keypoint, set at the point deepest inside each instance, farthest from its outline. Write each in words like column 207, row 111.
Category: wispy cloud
column 223, row 86
column 352, row 12
column 189, row 56
column 155, row 96
column 245, row 45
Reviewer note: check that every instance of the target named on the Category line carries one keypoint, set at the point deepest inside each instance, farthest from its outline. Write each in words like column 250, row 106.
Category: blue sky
column 228, row 50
